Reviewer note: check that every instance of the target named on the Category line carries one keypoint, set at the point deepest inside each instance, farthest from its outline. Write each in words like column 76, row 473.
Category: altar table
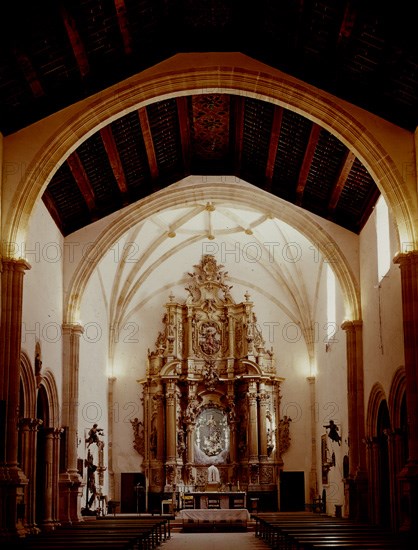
column 220, row 519
column 227, row 499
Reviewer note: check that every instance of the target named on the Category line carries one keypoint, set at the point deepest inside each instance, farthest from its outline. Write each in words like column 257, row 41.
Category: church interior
column 209, row 260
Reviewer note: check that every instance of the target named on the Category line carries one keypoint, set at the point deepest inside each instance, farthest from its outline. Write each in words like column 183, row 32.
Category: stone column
column 252, row 422
column 408, row 477
column 12, row 479
column 28, row 435
column 55, row 475
column 70, row 480
column 47, row 522
column 357, row 479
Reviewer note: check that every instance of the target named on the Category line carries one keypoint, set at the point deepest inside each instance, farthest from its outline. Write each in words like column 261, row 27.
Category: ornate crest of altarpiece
column 211, row 394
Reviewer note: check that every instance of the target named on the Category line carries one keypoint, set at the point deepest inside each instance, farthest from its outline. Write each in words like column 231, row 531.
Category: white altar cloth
column 215, row 515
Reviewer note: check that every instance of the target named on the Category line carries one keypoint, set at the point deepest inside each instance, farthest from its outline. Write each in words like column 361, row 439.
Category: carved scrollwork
column 284, row 434
column 139, row 440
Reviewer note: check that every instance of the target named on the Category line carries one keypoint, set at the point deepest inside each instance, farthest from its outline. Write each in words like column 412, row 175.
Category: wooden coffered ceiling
column 54, row 53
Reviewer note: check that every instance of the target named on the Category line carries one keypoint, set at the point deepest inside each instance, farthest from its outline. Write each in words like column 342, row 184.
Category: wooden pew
column 307, row 531
column 126, row 534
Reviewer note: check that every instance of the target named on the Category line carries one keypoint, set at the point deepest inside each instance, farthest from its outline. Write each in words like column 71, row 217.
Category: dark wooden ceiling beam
column 75, row 41
column 120, row 7
column 29, row 73
column 52, row 209
column 82, row 180
column 184, row 124
column 114, row 160
column 149, row 144
column 348, row 22
column 273, row 145
column 307, row 161
column 346, row 166
column 239, row 105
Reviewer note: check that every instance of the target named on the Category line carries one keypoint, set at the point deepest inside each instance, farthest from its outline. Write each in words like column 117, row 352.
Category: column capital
column 75, row 328
column 404, row 257
column 351, row 325
column 14, row 264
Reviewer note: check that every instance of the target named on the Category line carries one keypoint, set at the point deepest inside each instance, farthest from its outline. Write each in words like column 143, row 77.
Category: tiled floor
column 214, row 541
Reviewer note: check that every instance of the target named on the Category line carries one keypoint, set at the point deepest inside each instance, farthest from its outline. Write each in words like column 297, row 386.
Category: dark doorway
column 292, row 491
column 383, row 427
column 40, row 483
column 132, row 493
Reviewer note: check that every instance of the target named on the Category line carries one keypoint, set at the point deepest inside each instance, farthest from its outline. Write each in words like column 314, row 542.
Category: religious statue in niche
column 212, row 437
column 210, row 375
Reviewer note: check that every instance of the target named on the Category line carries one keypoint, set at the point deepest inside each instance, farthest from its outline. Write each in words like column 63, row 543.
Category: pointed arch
column 237, row 194
column 396, row 397
column 28, row 381
column 376, row 398
column 49, row 386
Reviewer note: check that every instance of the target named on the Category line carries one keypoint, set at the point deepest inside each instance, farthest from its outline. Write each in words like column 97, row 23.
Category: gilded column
column 70, row 480
column 110, row 420
column 252, row 421
column 12, row 479
column 262, row 422
column 171, row 422
column 159, row 419
column 232, row 424
column 357, row 453
column 408, row 264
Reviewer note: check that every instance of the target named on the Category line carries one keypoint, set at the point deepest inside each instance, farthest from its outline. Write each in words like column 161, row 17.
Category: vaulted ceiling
column 53, row 53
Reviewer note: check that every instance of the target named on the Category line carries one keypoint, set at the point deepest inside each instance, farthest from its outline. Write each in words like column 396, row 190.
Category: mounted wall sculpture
column 211, row 394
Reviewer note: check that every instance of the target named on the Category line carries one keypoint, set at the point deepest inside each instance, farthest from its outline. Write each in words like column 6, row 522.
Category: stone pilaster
column 408, row 477
column 12, row 479
column 70, row 480
column 357, row 479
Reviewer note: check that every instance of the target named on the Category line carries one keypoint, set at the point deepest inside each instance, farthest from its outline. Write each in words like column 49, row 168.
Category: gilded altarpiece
column 211, row 394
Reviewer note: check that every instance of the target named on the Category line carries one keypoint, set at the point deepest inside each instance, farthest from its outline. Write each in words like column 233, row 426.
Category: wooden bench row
column 132, row 534
column 308, row 531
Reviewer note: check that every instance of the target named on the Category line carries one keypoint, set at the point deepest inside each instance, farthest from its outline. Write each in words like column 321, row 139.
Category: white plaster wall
column 331, row 397
column 42, row 292
column 93, row 369
column 382, row 325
